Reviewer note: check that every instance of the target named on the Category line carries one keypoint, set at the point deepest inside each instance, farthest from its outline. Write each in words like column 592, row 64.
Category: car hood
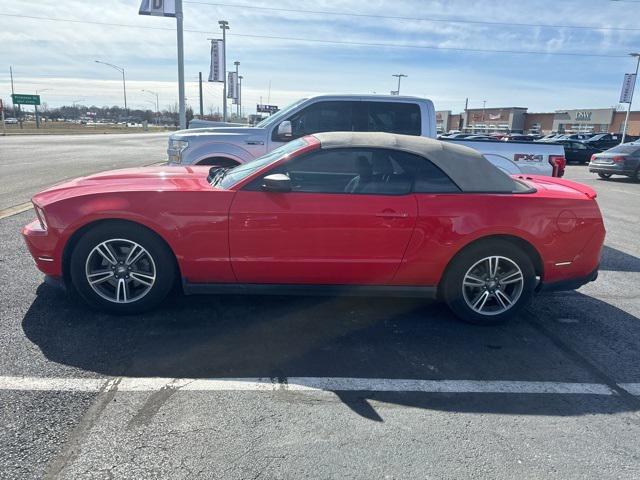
column 155, row 179
column 217, row 132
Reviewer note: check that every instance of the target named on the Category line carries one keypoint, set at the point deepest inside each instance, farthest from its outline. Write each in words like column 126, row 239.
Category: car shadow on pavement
column 390, row 338
column 616, row 260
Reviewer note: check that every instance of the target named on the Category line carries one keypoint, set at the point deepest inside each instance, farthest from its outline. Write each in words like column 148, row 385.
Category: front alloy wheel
column 122, row 267
column 120, row 270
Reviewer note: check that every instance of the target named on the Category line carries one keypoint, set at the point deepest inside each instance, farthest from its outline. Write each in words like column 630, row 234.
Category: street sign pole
column 626, row 118
column 179, row 22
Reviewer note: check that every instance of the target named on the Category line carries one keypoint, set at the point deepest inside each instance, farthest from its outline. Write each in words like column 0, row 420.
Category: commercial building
column 518, row 120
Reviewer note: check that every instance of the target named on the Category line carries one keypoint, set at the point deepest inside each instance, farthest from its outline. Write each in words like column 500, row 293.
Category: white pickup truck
column 230, row 146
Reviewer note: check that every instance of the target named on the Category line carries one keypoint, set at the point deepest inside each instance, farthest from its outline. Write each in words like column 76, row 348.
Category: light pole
column 626, row 118
column 484, row 107
column 240, row 95
column 124, row 83
column 157, row 103
column 224, row 25
column 237, row 64
column 399, row 75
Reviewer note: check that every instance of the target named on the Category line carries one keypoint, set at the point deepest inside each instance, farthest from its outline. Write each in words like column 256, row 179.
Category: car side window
column 357, row 171
column 390, row 117
column 320, row 117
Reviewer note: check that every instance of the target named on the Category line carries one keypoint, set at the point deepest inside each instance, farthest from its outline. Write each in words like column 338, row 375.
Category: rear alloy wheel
column 488, row 283
column 122, row 268
column 604, row 176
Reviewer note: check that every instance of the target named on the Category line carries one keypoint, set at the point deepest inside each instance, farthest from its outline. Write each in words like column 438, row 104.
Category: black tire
column 452, row 285
column 636, row 175
column 605, row 176
column 161, row 257
column 218, row 162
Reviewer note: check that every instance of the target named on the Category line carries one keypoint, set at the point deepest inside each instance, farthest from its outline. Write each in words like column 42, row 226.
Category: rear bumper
column 568, row 284
column 612, row 169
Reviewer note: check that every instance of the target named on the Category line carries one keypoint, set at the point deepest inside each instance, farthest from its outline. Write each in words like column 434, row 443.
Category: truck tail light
column 558, row 162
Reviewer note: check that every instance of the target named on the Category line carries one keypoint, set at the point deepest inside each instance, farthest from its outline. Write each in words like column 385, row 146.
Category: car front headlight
column 41, row 217
column 176, row 147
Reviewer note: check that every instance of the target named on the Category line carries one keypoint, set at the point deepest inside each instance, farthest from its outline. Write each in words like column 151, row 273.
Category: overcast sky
column 60, row 56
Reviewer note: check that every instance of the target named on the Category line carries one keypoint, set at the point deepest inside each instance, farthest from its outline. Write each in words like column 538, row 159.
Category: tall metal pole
column 237, row 64
column 240, row 95
column 224, row 25
column 399, row 75
column 200, row 88
column 124, row 91
column 179, row 27
column 626, row 119
column 16, row 108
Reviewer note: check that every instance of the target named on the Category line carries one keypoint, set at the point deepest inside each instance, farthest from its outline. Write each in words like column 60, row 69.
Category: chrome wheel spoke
column 473, row 281
column 131, row 258
column 481, row 300
column 106, row 253
column 121, row 291
column 142, row 278
column 99, row 277
column 493, row 266
column 512, row 277
column 504, row 301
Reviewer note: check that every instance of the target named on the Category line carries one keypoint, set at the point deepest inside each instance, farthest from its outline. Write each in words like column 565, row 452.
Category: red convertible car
column 331, row 213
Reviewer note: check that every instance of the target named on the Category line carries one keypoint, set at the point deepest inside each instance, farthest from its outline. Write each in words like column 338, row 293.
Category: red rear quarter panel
column 561, row 228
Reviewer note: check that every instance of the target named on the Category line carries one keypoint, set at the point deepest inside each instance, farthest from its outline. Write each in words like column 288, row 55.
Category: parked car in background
column 11, row 121
column 604, row 141
column 227, row 146
column 517, row 137
column 621, row 160
column 330, row 213
column 579, row 152
column 482, row 137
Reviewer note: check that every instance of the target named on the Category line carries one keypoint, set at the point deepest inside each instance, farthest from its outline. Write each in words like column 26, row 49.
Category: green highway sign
column 21, row 99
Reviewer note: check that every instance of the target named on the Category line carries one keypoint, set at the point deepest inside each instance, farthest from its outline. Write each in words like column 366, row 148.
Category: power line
column 327, row 42
column 419, row 19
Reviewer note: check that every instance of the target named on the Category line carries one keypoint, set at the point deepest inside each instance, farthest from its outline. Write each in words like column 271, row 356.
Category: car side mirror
column 284, row 130
column 276, row 182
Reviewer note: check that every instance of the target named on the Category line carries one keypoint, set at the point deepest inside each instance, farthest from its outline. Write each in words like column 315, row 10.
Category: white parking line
column 306, row 384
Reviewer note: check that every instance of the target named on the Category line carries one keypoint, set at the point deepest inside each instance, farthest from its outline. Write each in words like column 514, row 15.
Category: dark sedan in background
column 621, row 160
column 576, row 151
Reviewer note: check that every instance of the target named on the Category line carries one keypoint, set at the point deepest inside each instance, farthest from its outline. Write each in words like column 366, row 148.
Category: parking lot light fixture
column 224, row 26
column 626, row 118
column 399, row 75
column 124, row 83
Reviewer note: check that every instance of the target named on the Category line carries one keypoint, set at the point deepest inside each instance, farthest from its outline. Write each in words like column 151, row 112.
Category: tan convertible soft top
column 465, row 166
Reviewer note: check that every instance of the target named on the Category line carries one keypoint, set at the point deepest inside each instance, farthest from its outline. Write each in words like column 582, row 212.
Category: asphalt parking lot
column 295, row 387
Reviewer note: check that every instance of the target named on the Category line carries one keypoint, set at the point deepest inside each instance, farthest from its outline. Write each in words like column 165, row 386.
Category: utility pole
column 15, row 107
column 626, row 118
column 237, row 64
column 200, row 88
column 157, row 104
column 240, row 95
column 224, row 25
column 484, row 107
column 179, row 28
column 399, row 75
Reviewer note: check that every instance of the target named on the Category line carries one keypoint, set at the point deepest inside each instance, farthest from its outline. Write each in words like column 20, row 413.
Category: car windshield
column 631, row 149
column 276, row 117
column 241, row 172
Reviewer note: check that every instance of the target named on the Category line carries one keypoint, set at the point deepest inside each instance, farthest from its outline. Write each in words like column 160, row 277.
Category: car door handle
column 392, row 214
column 255, row 142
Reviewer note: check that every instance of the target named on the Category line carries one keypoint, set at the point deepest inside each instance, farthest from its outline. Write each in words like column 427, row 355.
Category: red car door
column 347, row 220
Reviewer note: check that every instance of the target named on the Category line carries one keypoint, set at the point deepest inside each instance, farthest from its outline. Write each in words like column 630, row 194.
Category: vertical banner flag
column 217, row 61
column 232, row 86
column 159, row 8
column 627, row 87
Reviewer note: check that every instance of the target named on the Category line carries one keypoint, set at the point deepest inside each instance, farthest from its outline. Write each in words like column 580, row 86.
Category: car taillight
column 558, row 162
column 618, row 159
column 593, row 157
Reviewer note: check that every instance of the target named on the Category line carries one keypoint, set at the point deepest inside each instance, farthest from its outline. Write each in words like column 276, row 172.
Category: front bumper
column 43, row 247
column 568, row 284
